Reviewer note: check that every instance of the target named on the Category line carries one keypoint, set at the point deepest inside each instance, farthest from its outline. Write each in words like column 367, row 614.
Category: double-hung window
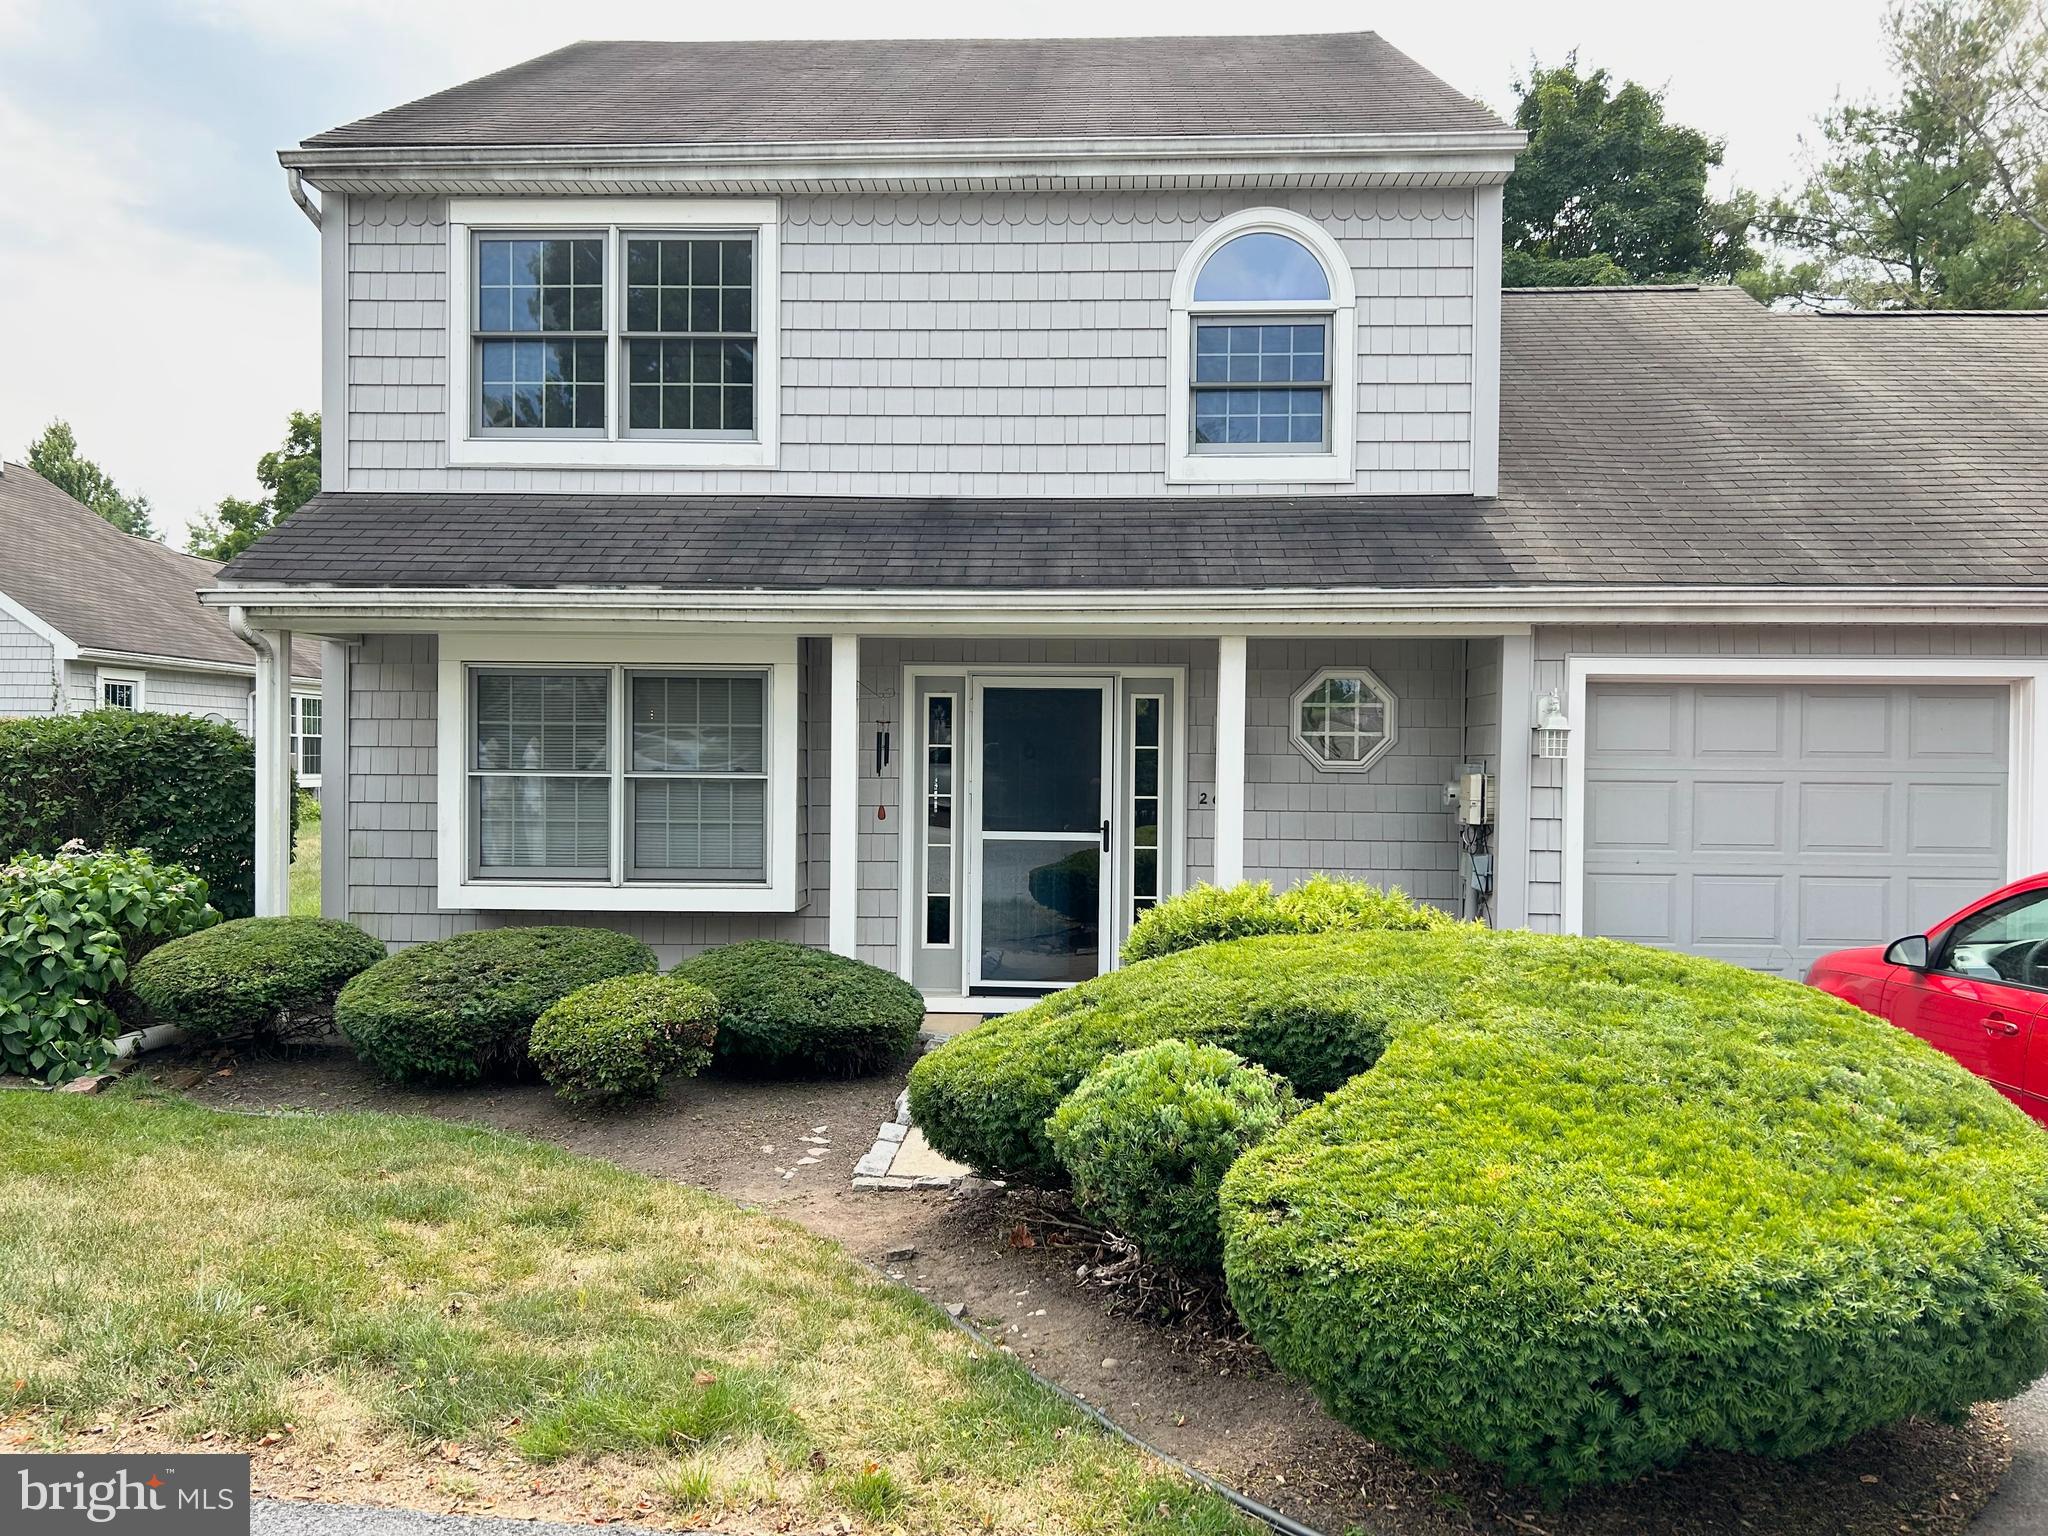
column 645, row 783
column 306, row 738
column 592, row 332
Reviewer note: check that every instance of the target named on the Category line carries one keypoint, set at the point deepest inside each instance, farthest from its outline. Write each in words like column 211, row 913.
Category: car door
column 1983, row 990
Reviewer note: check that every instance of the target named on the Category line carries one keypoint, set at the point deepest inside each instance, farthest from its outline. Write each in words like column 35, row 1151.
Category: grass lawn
column 388, row 1297
column 305, row 870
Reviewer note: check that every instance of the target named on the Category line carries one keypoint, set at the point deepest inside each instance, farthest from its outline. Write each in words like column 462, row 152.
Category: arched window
column 1264, row 332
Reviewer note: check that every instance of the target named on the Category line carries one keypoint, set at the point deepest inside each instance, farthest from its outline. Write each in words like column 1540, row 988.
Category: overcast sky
column 157, row 287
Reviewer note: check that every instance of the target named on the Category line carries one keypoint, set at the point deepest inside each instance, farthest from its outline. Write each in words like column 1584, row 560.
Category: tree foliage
column 56, row 458
column 1935, row 197
column 290, row 477
column 1610, row 191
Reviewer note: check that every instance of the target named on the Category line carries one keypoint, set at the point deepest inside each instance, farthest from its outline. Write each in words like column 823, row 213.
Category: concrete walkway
column 272, row 1517
column 2020, row 1507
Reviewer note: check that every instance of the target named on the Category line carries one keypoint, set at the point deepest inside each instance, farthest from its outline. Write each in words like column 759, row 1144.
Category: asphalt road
column 2019, row 1508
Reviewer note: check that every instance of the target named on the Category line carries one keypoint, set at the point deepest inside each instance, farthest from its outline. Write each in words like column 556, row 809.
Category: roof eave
column 1466, row 158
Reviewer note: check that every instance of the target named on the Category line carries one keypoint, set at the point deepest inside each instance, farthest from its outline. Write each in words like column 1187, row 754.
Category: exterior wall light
column 1553, row 732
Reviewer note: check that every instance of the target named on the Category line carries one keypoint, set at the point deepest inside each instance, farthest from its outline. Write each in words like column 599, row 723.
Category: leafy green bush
column 1149, row 1134
column 786, row 1008
column 452, row 1010
column 1600, row 1206
column 614, row 1041
column 181, row 790
column 71, row 927
column 1321, row 904
column 983, row 1097
column 264, row 976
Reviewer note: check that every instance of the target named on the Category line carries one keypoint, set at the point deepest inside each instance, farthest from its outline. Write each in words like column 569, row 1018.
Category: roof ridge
column 1618, row 288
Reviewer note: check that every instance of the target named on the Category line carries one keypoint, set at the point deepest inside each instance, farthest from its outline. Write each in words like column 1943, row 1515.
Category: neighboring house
column 933, row 499
column 94, row 618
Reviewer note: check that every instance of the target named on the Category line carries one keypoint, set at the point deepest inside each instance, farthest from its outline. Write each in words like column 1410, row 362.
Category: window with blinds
column 697, row 787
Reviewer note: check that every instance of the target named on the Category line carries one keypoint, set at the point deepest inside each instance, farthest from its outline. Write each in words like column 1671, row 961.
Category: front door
column 1039, row 875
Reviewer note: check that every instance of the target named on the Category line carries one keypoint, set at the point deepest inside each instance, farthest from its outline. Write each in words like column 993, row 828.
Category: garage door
column 1767, row 825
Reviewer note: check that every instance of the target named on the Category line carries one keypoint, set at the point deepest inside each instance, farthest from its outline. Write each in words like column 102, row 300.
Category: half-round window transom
column 1262, row 267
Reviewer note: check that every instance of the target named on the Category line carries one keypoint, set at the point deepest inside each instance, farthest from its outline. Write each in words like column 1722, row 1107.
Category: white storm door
column 1040, row 883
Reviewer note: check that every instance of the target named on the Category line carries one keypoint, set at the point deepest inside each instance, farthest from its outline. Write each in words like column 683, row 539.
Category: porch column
column 843, row 900
column 334, row 815
column 1230, row 709
column 271, row 722
column 1511, row 815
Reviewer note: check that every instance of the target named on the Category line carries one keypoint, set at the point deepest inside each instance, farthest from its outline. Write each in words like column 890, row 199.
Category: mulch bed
column 1166, row 1361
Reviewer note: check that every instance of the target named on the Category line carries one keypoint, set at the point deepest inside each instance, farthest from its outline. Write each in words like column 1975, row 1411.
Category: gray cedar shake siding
column 1389, row 824
column 1011, row 345
column 29, row 681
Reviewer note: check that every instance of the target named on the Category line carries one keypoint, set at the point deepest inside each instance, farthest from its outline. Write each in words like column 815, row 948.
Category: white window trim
column 106, row 675
column 1373, row 681
column 1183, row 464
column 761, row 216
column 455, row 890
column 2026, row 809
column 297, row 735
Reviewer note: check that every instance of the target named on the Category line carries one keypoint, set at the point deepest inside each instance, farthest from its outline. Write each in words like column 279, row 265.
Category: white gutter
column 297, row 185
column 1494, row 609
column 178, row 663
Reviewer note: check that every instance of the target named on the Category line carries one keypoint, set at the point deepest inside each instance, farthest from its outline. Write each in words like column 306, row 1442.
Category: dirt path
column 1217, row 1406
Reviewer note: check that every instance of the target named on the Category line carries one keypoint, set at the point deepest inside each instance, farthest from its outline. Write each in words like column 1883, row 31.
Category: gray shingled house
column 94, row 618
column 933, row 499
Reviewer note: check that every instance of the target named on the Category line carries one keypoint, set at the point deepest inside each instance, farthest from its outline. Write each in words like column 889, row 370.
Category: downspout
column 307, row 206
column 238, row 621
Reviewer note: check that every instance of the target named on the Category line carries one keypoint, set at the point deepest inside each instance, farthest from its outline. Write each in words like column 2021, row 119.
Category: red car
column 1974, row 985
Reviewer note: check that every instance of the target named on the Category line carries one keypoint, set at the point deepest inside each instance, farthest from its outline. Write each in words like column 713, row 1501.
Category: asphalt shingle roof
column 106, row 590
column 669, row 93
column 1648, row 436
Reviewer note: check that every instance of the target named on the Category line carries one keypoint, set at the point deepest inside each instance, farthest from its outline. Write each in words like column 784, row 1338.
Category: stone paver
column 902, row 1159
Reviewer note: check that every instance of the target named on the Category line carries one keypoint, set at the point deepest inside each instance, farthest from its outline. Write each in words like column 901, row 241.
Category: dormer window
column 1263, row 354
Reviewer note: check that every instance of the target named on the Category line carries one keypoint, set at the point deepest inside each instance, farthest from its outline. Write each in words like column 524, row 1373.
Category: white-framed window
column 306, row 739
column 633, row 776
column 1344, row 719
column 120, row 690
column 632, row 332
column 1262, row 355
column 1148, row 790
column 941, row 710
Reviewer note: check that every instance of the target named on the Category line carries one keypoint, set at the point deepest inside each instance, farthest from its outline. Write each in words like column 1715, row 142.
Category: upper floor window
column 1264, row 333
column 634, row 332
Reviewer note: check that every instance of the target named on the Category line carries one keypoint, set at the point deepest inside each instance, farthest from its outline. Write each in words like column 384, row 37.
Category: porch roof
column 1670, row 437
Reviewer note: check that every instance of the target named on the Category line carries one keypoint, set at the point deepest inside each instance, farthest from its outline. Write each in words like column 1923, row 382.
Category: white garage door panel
column 1768, row 825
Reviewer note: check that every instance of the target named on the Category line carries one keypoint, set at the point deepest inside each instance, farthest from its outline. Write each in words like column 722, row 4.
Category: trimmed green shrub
column 1321, row 904
column 455, row 1009
column 178, row 788
column 71, row 928
column 786, row 1008
column 1149, row 1134
column 270, row 977
column 983, row 1097
column 1600, row 1206
column 615, row 1040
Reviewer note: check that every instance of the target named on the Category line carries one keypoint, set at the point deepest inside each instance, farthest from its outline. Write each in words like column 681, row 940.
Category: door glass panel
column 2008, row 942
column 1042, row 760
column 1040, row 900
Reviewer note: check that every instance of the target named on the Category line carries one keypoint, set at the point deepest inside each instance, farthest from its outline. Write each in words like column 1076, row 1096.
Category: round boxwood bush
column 1600, row 1206
column 1321, row 904
column 983, row 1097
column 269, row 977
column 454, row 1009
column 785, row 1008
column 615, row 1040
column 1149, row 1134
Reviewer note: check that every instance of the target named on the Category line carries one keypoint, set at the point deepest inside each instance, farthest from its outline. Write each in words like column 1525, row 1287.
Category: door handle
column 1999, row 1024
column 1105, row 837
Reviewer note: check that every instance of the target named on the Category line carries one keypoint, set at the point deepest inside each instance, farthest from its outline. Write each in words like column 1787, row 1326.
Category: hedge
column 1599, row 1206
column 615, row 1040
column 269, row 977
column 455, row 1009
column 178, row 788
column 788, row 1008
column 983, row 1097
column 1149, row 1135
column 1321, row 904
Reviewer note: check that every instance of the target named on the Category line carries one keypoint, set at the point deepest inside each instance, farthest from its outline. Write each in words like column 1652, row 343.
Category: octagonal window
column 1344, row 719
